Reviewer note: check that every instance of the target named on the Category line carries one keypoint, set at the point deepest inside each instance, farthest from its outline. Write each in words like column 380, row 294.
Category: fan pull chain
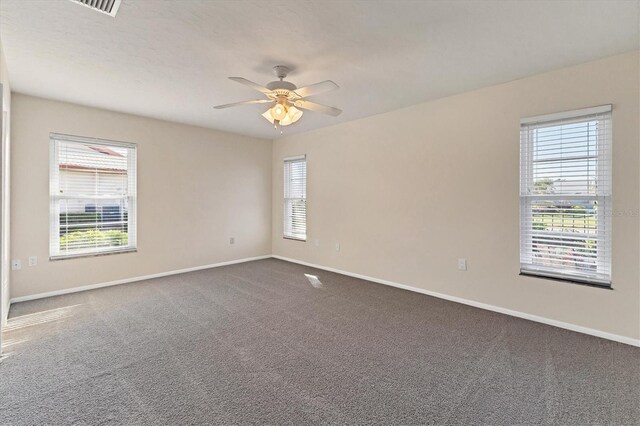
column 276, row 123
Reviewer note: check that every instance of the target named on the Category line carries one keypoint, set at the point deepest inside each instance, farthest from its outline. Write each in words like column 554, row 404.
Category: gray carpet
column 261, row 343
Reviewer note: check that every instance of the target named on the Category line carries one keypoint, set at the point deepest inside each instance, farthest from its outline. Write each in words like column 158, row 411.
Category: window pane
column 93, row 193
column 565, row 159
column 564, row 234
column 295, row 195
column 565, row 174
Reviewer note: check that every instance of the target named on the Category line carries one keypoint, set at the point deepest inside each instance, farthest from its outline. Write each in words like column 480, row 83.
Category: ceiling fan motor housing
column 275, row 86
column 281, row 87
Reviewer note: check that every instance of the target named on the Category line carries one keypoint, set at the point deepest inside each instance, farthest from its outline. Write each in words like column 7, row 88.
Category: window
column 565, row 196
column 295, row 198
column 92, row 197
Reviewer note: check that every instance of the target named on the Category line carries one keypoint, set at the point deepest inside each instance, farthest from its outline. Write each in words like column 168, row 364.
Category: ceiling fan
column 286, row 98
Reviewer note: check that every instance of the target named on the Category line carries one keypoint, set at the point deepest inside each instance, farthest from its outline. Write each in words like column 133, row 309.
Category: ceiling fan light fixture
column 286, row 121
column 268, row 117
column 286, row 99
column 293, row 115
column 275, row 114
column 279, row 111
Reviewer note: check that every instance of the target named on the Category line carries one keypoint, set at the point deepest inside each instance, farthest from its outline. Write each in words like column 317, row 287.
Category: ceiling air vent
column 108, row 7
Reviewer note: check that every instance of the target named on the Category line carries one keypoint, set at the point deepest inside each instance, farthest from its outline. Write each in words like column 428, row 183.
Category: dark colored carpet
column 261, row 343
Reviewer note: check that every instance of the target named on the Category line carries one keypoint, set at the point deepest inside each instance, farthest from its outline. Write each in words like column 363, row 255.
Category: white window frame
column 287, row 232
column 603, row 196
column 55, row 197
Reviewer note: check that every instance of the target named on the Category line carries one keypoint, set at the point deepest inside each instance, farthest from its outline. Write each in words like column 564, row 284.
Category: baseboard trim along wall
column 131, row 280
column 530, row 317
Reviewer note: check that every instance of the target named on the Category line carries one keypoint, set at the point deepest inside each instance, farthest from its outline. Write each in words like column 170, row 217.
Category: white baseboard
column 131, row 280
column 536, row 318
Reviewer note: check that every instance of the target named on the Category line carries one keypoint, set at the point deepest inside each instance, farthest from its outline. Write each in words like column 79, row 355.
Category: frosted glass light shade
column 292, row 115
column 279, row 112
column 267, row 115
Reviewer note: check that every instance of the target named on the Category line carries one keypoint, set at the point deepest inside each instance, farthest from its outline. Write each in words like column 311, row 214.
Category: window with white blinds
column 565, row 195
column 92, row 197
column 295, row 198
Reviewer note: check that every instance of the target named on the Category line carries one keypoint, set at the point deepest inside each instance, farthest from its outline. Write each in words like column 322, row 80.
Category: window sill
column 295, row 239
column 94, row 254
column 578, row 281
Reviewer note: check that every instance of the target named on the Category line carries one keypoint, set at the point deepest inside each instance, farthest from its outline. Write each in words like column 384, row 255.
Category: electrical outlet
column 33, row 260
column 462, row 264
column 337, row 246
column 317, row 243
column 232, row 240
column 16, row 265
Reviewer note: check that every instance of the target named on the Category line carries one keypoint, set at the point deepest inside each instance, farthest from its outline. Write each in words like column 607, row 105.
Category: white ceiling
column 171, row 59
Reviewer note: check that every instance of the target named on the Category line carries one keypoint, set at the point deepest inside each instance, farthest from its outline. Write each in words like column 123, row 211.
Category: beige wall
column 404, row 193
column 5, row 144
column 408, row 192
column 196, row 188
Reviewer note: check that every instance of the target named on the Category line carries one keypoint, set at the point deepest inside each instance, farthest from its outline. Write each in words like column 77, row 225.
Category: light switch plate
column 462, row 264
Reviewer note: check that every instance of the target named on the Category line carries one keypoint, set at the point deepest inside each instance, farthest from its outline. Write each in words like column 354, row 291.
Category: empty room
column 353, row 212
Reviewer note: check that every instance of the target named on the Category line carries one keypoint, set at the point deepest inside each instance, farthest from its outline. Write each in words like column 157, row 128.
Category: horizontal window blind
column 565, row 195
column 295, row 198
column 92, row 196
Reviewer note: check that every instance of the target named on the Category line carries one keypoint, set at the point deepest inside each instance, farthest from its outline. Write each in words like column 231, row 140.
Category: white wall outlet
column 232, row 240
column 317, row 243
column 337, row 246
column 33, row 260
column 16, row 264
column 462, row 264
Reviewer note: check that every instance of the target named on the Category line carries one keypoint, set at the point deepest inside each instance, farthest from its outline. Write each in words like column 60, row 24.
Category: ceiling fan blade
column 251, row 84
column 312, row 106
column 314, row 89
column 256, row 101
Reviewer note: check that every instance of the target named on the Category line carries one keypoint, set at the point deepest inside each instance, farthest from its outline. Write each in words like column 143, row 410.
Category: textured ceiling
column 171, row 59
